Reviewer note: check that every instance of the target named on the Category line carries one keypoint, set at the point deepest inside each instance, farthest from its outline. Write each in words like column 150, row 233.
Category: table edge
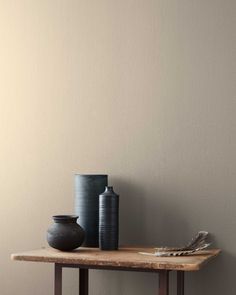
column 103, row 265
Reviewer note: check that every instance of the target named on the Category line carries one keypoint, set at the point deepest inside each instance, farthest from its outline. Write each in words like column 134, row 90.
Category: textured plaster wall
column 143, row 90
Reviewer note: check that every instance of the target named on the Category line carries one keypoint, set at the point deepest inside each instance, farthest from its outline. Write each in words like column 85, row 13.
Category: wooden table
column 126, row 259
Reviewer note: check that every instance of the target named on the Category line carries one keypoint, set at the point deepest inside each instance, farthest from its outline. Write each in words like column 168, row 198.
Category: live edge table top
column 125, row 258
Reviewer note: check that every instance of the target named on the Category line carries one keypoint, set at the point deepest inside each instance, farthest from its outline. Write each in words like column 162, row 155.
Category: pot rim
column 65, row 217
column 102, row 175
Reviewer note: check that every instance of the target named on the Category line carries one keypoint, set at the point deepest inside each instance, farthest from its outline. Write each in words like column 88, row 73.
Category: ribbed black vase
column 108, row 219
column 87, row 191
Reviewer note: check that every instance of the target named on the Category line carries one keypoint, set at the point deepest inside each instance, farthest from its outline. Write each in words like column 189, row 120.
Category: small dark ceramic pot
column 65, row 233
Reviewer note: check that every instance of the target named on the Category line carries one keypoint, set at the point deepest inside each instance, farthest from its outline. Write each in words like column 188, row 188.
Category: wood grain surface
column 123, row 258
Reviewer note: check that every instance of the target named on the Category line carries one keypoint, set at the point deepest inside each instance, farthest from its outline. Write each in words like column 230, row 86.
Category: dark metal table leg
column 163, row 282
column 83, row 281
column 180, row 282
column 58, row 279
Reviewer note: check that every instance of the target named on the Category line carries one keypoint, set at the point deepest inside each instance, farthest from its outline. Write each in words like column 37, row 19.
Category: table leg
column 164, row 282
column 83, row 281
column 180, row 282
column 58, row 279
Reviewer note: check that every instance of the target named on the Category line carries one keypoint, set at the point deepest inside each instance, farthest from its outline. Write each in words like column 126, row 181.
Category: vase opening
column 65, row 218
column 92, row 175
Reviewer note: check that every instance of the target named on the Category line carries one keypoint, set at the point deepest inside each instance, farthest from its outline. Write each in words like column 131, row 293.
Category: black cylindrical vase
column 87, row 191
column 108, row 219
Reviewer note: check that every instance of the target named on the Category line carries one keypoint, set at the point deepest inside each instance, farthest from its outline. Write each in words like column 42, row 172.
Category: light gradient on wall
column 142, row 90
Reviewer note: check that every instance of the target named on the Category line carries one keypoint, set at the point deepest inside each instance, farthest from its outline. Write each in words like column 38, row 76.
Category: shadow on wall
column 151, row 218
column 148, row 217
column 132, row 213
column 216, row 278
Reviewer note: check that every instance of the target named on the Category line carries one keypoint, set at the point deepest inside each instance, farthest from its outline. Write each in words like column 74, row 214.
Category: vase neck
column 109, row 189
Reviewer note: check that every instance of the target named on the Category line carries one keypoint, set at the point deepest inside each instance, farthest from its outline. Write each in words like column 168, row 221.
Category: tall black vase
column 87, row 191
column 108, row 220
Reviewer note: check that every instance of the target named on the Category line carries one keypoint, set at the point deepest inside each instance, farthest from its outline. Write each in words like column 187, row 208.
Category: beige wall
column 143, row 90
